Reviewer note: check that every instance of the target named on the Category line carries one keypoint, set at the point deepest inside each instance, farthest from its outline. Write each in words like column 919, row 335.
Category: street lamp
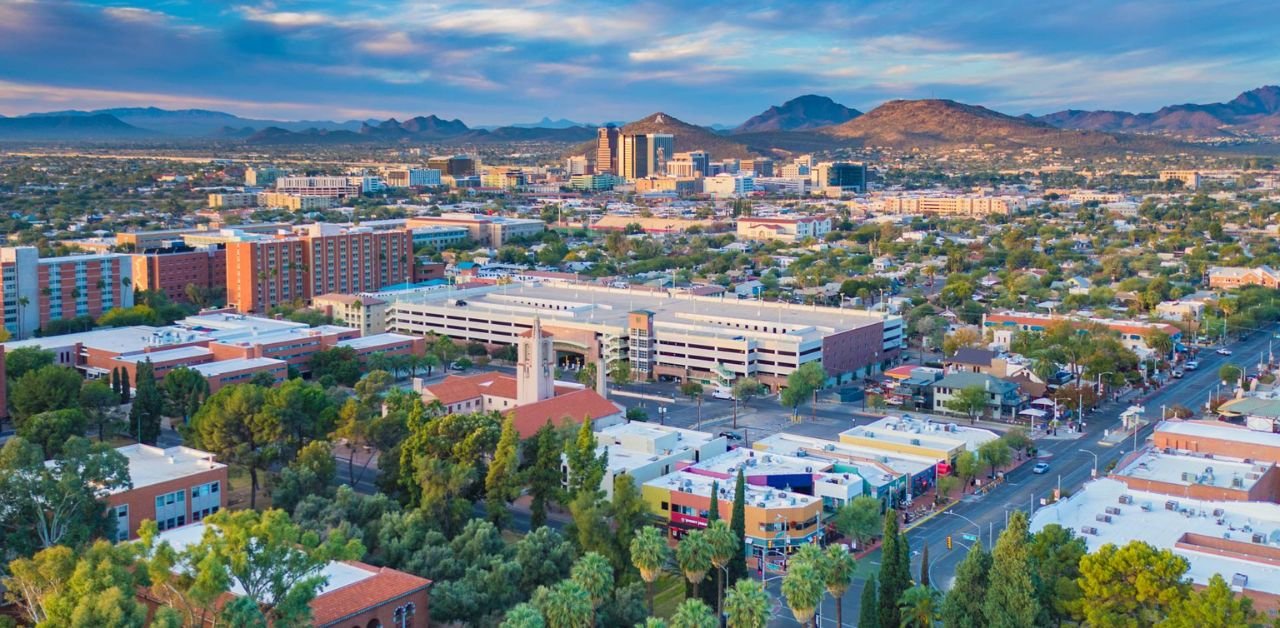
column 1099, row 385
column 1094, row 472
column 971, row 522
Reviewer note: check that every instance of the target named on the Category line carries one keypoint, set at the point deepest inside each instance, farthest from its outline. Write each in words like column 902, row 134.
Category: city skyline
column 489, row 64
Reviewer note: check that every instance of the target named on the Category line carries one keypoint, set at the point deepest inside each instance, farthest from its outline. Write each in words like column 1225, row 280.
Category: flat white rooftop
column 228, row 322
column 375, row 340
column 213, row 369
column 180, row 353
column 1220, row 431
column 150, row 465
column 754, row 463
column 684, row 481
column 1186, row 470
column 113, row 339
column 1146, row 519
column 874, row 461
column 907, row 430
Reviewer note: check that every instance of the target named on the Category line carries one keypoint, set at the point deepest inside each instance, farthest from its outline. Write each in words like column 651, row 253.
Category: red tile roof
column 568, row 408
column 384, row 586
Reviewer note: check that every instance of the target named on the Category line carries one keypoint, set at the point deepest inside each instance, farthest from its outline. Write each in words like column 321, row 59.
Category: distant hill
column 199, row 122
column 906, row 124
column 548, row 123
column 688, row 137
column 1255, row 112
column 798, row 114
column 70, row 128
column 419, row 128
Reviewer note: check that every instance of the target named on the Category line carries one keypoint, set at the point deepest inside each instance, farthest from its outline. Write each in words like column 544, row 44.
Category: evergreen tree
column 869, row 611
column 1054, row 555
column 148, row 405
column 126, row 390
column 962, row 607
column 714, row 512
column 586, row 468
column 115, row 381
column 711, row 594
column 924, row 566
column 1011, row 596
column 738, row 567
column 544, row 474
column 894, row 578
column 502, row 483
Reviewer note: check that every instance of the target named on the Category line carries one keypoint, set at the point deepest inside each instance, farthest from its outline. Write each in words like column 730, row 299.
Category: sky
column 489, row 62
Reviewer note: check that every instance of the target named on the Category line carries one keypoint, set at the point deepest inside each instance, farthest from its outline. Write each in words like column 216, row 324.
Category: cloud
column 287, row 19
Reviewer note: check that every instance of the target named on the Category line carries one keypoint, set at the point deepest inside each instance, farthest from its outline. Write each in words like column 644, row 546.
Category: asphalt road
column 1071, row 463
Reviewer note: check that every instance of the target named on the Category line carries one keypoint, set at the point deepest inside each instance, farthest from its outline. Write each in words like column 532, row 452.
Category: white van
column 722, row 392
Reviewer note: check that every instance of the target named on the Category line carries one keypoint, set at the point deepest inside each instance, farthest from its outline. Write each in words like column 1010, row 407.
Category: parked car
column 731, row 435
column 722, row 392
column 1176, row 373
column 1192, row 365
column 1041, row 468
column 1223, row 351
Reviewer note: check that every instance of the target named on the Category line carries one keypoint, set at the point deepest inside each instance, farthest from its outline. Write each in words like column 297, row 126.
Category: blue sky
column 706, row 62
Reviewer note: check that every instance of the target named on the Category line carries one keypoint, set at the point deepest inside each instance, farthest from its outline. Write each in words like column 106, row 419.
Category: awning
column 1044, row 401
column 1032, row 412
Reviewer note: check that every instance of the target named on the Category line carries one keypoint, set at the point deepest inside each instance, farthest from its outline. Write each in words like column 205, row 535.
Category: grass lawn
column 668, row 594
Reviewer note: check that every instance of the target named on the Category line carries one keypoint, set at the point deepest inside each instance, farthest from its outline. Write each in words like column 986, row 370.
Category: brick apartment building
column 172, row 486
column 171, row 272
column 36, row 290
column 264, row 271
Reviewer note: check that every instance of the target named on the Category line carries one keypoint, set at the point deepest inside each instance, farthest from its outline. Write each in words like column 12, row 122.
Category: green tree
column 693, row 614
column 566, row 605
column 1214, row 605
column 837, row 567
column 50, row 430
column 869, row 609
column 649, row 554
column 99, row 592
column 995, row 454
column 33, row 582
column 1011, row 596
column 859, row 518
column 502, row 483
column 919, row 606
column 23, row 360
column 1054, row 556
column 744, row 390
column 968, row 466
column 924, row 566
column 98, row 399
column 184, row 390
column 233, row 425
column 340, row 364
column 803, row 587
column 895, row 569
column 276, row 568
column 724, row 546
column 738, row 524
column 1229, row 373
column 544, row 474
column 312, row 472
column 693, row 555
column 802, row 383
column 586, row 466
column 126, row 389
column 148, row 404
column 962, row 607
column 971, row 401
column 523, row 615
column 746, row 605
column 56, row 500
column 594, row 574
column 44, row 389
column 1132, row 585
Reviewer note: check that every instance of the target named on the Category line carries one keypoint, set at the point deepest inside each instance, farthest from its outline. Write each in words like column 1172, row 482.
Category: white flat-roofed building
column 241, row 370
column 171, row 486
column 1238, row 540
column 679, row 335
column 919, row 437
column 337, row 187
column 644, row 451
column 797, row 474
column 886, row 475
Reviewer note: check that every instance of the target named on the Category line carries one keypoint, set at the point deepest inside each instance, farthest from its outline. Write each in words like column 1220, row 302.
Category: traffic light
column 948, row 541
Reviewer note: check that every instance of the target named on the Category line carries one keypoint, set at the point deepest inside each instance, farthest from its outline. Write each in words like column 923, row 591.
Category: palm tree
column 747, row 605
column 919, row 606
column 837, row 566
column 649, row 554
column 567, row 605
column 594, row 574
column 693, row 554
column 693, row 613
column 23, row 302
column 523, row 616
column 430, row 362
column 802, row 587
column 724, row 546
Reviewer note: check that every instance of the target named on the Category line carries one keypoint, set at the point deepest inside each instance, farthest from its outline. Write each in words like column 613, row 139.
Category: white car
column 1223, row 351
column 1192, row 365
column 722, row 393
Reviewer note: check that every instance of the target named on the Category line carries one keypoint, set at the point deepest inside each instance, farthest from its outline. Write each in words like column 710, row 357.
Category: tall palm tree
column 649, row 554
column 747, row 605
column 837, row 572
column 593, row 573
column 693, row 554
column 803, row 589
column 724, row 546
column 693, row 613
column 430, row 362
column 523, row 616
column 919, row 606
column 567, row 605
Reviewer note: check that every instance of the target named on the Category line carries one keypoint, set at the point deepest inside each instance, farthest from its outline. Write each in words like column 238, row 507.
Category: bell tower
column 535, row 374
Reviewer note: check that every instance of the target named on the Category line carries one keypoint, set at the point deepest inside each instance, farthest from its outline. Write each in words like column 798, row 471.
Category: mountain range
column 1255, row 112
column 806, row 123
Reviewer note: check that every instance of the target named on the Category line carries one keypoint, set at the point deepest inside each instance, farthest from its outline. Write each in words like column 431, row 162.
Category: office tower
column 576, row 165
column 842, row 175
column 261, row 177
column 454, row 166
column 633, row 157
column 607, row 138
column 662, row 147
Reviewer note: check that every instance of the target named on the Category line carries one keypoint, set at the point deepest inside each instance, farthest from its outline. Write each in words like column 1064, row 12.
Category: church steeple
column 535, row 375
